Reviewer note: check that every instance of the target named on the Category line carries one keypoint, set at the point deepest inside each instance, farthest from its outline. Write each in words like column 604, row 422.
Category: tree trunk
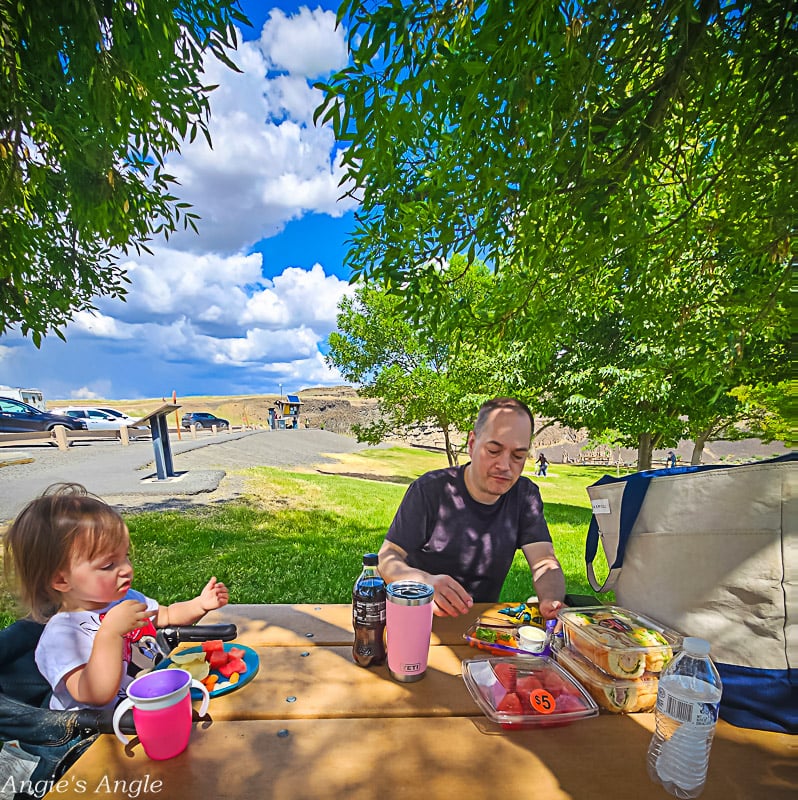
column 451, row 453
column 702, row 437
column 645, row 447
column 698, row 449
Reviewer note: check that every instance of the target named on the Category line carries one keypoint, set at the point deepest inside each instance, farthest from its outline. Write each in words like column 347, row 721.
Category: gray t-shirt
column 446, row 532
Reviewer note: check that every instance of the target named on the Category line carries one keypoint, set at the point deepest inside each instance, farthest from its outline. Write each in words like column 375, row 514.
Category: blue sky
column 247, row 305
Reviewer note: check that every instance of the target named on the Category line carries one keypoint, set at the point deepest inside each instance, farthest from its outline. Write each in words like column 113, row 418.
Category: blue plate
column 250, row 659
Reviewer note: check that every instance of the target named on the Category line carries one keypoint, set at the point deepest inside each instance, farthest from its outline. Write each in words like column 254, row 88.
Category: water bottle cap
column 696, row 646
column 370, row 560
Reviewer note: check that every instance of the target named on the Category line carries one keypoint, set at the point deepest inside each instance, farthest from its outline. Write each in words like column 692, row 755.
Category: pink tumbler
column 161, row 703
column 408, row 625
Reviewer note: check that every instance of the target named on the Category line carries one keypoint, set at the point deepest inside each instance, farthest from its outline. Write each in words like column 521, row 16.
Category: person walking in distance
column 543, row 466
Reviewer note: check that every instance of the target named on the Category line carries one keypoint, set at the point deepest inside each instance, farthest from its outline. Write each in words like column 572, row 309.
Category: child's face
column 92, row 583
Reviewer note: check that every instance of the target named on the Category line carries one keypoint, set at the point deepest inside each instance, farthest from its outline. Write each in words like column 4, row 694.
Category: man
column 458, row 528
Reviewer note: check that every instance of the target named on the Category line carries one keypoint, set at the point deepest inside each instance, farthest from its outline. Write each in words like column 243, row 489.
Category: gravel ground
column 125, row 476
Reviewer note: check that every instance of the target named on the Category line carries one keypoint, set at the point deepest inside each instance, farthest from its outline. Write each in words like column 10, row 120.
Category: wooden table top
column 321, row 681
column 354, row 733
column 308, row 624
column 432, row 758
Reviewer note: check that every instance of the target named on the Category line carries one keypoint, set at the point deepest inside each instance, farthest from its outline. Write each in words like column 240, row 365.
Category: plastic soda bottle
column 368, row 615
column 686, row 715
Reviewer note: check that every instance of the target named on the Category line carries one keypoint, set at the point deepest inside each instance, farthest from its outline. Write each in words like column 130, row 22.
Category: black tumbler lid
column 370, row 560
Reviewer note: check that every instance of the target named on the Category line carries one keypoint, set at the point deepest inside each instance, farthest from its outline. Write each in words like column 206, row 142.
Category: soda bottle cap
column 696, row 646
column 370, row 560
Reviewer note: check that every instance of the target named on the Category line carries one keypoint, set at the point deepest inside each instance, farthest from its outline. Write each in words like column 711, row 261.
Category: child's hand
column 124, row 617
column 214, row 595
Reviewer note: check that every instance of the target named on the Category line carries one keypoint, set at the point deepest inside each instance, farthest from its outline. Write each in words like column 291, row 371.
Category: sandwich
column 618, row 695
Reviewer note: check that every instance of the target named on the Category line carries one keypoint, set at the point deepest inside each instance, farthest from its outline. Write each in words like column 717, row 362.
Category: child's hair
column 64, row 523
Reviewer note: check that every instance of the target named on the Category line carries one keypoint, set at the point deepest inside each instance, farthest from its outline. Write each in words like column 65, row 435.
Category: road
column 125, row 476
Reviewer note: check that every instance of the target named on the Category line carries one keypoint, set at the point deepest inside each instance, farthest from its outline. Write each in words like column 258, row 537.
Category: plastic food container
column 618, row 695
column 500, row 640
column 528, row 692
column 619, row 642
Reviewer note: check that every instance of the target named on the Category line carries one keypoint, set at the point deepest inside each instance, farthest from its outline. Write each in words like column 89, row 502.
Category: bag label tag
column 601, row 506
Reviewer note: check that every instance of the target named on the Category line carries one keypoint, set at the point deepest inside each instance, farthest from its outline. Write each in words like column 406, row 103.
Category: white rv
column 33, row 397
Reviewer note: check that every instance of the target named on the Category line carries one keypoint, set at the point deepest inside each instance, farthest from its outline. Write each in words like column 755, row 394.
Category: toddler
column 71, row 557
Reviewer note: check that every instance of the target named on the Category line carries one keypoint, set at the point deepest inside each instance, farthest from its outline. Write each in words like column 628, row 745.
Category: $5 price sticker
column 542, row 701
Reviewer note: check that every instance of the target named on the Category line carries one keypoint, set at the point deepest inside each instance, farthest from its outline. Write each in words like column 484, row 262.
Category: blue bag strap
column 633, row 495
column 634, row 492
column 592, row 541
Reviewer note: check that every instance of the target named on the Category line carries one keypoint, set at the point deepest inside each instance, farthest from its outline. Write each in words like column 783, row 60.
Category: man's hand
column 124, row 617
column 549, row 608
column 451, row 599
column 547, row 576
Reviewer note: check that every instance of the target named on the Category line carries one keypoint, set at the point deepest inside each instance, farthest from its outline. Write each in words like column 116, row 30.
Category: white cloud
column 305, row 44
column 199, row 311
column 218, row 294
column 84, row 393
column 269, row 164
column 100, row 326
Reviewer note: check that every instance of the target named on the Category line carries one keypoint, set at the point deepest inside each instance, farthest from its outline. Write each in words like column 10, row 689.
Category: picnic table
column 313, row 725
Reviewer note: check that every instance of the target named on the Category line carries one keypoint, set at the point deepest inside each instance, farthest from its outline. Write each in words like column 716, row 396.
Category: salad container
column 509, row 640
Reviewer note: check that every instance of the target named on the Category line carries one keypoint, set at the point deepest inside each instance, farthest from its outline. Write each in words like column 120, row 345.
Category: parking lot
column 126, row 475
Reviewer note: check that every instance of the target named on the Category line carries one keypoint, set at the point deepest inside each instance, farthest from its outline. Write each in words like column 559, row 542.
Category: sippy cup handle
column 195, row 684
column 118, row 712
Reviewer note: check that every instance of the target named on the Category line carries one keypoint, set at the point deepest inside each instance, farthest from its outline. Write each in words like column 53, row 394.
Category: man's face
column 498, row 454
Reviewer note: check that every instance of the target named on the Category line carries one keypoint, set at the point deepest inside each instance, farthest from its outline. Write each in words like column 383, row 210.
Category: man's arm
column 451, row 599
column 547, row 576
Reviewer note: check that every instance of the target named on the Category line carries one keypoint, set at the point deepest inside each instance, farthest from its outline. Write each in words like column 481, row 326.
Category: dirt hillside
column 339, row 408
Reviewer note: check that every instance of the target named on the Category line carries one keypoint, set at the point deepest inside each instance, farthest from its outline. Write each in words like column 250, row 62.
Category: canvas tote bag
column 713, row 552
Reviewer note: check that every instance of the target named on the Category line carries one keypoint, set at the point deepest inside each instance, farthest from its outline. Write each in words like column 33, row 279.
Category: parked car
column 126, row 418
column 202, row 419
column 97, row 419
column 19, row 417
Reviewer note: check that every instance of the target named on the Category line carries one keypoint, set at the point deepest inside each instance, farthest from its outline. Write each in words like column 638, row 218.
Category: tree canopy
column 417, row 378
column 624, row 170
column 555, row 138
column 94, row 96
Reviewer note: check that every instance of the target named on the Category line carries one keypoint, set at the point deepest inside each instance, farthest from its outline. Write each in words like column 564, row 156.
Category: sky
column 246, row 306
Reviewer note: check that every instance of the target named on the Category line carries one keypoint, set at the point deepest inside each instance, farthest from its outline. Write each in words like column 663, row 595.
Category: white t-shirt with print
column 67, row 640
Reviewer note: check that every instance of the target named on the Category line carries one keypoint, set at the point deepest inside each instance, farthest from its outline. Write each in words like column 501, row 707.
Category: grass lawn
column 300, row 536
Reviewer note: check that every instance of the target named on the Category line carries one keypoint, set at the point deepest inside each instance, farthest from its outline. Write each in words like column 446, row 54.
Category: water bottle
column 686, row 714
column 368, row 615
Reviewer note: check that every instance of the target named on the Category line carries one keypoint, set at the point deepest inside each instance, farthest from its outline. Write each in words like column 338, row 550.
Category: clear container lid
column 526, row 692
column 500, row 639
column 621, row 642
